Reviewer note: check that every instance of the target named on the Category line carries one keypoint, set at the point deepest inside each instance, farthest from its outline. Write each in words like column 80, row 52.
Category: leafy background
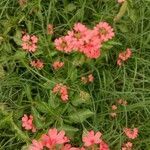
column 26, row 90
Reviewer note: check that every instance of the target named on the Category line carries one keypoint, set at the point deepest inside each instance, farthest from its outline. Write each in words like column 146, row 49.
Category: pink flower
column 113, row 114
column 27, row 123
column 78, row 35
column 121, row 1
column 29, row 42
column 104, row 31
column 127, row 146
column 90, row 78
column 50, row 29
column 53, row 138
column 62, row 90
column 103, row 146
column 36, row 145
column 57, row 65
column 123, row 56
column 69, row 147
column 122, row 102
column 34, row 39
column 131, row 134
column 114, row 107
column 38, row 64
column 66, row 147
column 64, row 44
column 91, row 139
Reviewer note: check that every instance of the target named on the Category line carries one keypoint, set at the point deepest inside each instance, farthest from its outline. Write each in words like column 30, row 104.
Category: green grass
column 26, row 90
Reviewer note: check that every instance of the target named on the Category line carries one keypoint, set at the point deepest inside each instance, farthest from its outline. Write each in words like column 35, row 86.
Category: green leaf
column 19, row 55
column 121, row 12
column 70, row 7
column 80, row 115
column 37, row 118
column 81, row 98
column 2, row 72
column 133, row 15
column 70, row 130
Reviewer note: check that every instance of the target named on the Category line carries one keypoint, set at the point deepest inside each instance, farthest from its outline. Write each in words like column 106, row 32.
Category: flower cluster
column 27, row 123
column 50, row 140
column 114, row 107
column 131, row 134
column 85, row 40
column 123, row 56
column 29, row 42
column 93, row 140
column 62, row 90
column 57, row 140
column 57, row 65
column 113, row 113
column 88, row 79
column 127, row 146
column 122, row 102
column 38, row 64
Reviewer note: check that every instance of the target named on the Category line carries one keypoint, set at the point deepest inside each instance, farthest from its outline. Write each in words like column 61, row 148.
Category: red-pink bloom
column 103, row 146
column 50, row 29
column 90, row 78
column 91, row 138
column 127, row 146
column 54, row 138
column 104, row 31
column 69, row 147
column 64, row 44
column 29, row 42
column 113, row 114
column 114, row 107
column 123, row 56
column 57, row 65
column 78, row 35
column 131, row 134
column 122, row 102
column 121, row 1
column 91, row 46
column 62, row 90
column 36, row 145
column 27, row 123
column 38, row 64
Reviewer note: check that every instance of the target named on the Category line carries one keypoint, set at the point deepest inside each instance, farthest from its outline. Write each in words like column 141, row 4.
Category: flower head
column 57, row 65
column 90, row 78
column 104, row 31
column 124, row 56
column 127, row 146
column 131, row 134
column 114, row 107
column 121, row 1
column 27, row 123
column 29, row 42
column 38, row 64
column 62, row 90
column 92, row 138
column 50, row 29
column 53, row 138
column 36, row 145
column 64, row 44
column 103, row 146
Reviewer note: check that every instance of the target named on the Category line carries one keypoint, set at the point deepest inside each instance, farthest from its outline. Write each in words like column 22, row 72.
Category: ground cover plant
column 74, row 75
